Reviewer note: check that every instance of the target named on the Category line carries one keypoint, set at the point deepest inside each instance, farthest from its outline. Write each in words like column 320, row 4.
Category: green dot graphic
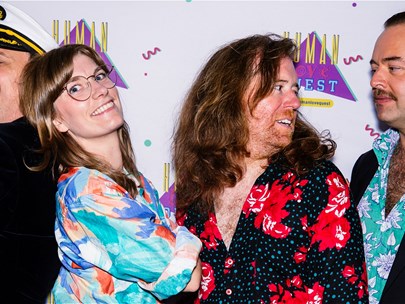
column 147, row 143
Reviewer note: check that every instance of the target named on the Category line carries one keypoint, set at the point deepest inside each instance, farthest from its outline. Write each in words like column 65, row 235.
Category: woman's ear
column 60, row 125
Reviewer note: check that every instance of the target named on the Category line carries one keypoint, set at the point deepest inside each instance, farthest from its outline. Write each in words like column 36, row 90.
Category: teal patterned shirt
column 382, row 235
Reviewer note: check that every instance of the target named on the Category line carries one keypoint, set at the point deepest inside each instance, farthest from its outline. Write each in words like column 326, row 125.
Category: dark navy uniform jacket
column 28, row 250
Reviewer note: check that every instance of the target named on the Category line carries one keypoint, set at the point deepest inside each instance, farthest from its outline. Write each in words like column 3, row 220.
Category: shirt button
column 228, row 292
column 228, row 263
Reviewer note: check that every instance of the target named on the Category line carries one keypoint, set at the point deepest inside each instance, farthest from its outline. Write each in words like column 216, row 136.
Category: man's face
column 11, row 65
column 271, row 124
column 388, row 80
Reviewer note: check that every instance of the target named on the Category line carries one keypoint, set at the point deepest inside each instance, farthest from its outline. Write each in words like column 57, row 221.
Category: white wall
column 188, row 32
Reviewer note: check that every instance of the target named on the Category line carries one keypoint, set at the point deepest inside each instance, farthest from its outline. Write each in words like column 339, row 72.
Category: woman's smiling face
column 98, row 117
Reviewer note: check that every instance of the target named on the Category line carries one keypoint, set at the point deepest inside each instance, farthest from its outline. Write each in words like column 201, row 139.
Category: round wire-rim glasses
column 79, row 87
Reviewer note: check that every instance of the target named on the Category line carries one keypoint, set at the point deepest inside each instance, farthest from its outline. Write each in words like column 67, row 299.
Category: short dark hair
column 396, row 19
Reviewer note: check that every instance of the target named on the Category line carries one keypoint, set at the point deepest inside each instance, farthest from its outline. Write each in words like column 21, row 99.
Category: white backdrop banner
column 158, row 47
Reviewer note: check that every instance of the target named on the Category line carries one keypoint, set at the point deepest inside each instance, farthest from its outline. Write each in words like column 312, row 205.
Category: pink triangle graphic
column 326, row 77
column 87, row 34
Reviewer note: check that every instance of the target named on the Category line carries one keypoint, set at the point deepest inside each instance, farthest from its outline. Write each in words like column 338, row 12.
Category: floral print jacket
column 298, row 240
column 382, row 234
column 115, row 248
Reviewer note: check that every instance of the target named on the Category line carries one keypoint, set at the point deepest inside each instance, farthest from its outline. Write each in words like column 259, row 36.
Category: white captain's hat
column 19, row 32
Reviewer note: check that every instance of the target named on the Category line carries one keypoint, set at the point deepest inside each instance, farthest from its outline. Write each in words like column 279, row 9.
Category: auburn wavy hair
column 42, row 82
column 211, row 133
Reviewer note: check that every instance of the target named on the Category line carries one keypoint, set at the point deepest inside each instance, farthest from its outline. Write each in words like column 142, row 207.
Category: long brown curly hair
column 211, row 133
column 42, row 81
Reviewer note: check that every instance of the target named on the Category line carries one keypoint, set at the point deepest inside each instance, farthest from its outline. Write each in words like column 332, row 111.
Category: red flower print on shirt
column 211, row 234
column 207, row 281
column 193, row 230
column 332, row 229
column 294, row 292
column 280, row 294
column 180, row 219
column 268, row 204
column 228, row 264
column 301, row 255
column 339, row 197
column 312, row 295
column 363, row 284
column 253, row 263
column 256, row 199
column 334, row 235
column 350, row 274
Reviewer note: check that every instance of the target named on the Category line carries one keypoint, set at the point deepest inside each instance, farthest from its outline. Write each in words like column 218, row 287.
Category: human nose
column 292, row 100
column 378, row 79
column 97, row 89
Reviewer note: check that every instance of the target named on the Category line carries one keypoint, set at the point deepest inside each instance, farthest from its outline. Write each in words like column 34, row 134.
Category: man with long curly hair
column 255, row 183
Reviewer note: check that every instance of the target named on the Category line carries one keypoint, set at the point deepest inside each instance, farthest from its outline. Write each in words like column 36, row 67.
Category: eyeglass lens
column 79, row 87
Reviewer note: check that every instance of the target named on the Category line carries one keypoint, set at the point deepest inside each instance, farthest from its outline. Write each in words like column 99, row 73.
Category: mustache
column 382, row 93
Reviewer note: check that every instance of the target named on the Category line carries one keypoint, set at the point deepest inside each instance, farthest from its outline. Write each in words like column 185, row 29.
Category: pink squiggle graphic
column 352, row 59
column 149, row 53
column 372, row 133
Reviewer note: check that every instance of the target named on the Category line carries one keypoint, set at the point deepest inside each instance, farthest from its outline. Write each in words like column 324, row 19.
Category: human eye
column 296, row 90
column 74, row 87
column 373, row 68
column 395, row 68
column 100, row 76
column 278, row 87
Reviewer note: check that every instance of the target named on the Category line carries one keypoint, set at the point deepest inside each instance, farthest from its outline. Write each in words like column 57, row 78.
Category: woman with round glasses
column 116, row 242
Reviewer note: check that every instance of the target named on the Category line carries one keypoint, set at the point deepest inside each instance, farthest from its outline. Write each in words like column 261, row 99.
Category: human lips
column 105, row 107
column 380, row 96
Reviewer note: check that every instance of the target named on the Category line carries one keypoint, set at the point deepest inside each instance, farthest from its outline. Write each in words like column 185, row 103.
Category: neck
column 401, row 143
column 112, row 154
column 254, row 168
column 9, row 117
column 107, row 149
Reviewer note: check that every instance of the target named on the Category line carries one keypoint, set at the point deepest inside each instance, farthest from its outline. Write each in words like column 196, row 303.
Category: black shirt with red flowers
column 298, row 240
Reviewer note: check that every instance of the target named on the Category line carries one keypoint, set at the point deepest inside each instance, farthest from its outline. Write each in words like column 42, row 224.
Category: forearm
column 195, row 281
